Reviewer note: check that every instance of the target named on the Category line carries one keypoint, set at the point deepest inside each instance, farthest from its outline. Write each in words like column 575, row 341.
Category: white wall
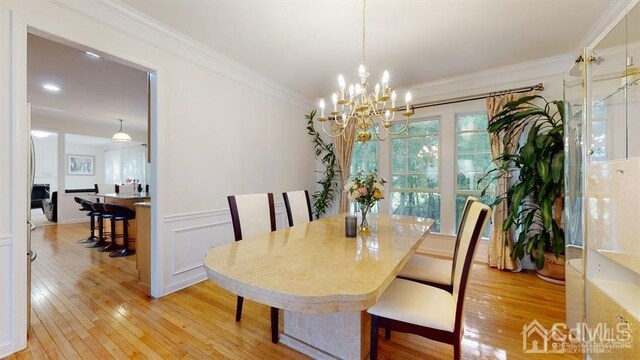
column 85, row 181
column 220, row 129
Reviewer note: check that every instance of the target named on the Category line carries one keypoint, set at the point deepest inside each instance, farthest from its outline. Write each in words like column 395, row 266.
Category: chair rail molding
column 142, row 27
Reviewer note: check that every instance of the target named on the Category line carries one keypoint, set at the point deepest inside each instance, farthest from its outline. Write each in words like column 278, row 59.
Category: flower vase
column 364, row 223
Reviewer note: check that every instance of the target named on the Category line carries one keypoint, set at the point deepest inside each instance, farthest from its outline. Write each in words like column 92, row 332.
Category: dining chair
column 298, row 207
column 424, row 310
column 433, row 271
column 253, row 215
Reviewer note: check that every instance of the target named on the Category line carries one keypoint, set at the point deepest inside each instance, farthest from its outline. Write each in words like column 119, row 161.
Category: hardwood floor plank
column 90, row 306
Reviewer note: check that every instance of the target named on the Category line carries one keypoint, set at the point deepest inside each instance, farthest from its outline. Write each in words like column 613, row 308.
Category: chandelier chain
column 364, row 4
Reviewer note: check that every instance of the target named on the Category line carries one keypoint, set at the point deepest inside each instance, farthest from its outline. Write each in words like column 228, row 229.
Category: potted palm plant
column 536, row 169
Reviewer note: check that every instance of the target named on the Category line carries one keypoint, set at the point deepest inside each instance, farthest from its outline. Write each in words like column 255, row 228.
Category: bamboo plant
column 536, row 198
column 323, row 198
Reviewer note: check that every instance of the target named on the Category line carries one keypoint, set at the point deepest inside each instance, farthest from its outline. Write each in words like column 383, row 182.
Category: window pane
column 474, row 160
column 414, row 171
column 365, row 157
column 417, row 204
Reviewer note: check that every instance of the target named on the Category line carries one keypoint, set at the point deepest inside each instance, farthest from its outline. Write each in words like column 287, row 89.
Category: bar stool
column 107, row 215
column 86, row 206
column 98, row 208
column 99, row 211
column 124, row 214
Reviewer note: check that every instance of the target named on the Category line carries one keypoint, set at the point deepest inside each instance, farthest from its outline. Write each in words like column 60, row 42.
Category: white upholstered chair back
column 252, row 215
column 298, row 207
column 471, row 231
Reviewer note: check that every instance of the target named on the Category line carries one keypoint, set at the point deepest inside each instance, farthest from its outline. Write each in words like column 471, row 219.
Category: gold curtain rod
column 539, row 87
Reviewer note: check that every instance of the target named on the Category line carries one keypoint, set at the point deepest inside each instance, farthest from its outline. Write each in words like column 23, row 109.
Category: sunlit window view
column 474, row 159
column 414, row 171
column 365, row 161
column 598, row 132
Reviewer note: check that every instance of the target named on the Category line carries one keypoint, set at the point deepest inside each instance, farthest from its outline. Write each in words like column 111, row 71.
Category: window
column 365, row 157
column 598, row 146
column 414, row 171
column 364, row 160
column 473, row 160
column 125, row 163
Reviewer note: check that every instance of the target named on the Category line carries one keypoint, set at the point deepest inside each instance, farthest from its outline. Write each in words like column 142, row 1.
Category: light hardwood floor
column 87, row 305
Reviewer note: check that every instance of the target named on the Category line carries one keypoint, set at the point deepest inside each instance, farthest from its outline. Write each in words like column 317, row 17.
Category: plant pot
column 553, row 270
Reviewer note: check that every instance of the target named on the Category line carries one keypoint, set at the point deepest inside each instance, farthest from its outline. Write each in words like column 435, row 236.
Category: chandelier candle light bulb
column 321, row 105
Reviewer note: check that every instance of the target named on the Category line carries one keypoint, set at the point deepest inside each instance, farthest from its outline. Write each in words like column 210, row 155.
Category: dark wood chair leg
column 239, row 308
column 387, row 334
column 457, row 355
column 275, row 336
column 373, row 352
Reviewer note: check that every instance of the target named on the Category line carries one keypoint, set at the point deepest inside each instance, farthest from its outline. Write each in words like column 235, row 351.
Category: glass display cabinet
column 603, row 188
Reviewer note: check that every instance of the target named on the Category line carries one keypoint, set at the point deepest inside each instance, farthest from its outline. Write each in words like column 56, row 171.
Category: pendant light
column 121, row 136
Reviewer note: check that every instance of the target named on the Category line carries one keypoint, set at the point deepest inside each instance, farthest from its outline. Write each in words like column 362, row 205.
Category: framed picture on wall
column 80, row 165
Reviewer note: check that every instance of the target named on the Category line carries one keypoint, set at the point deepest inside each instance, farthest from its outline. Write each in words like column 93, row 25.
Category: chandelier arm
column 385, row 133
column 334, row 135
column 406, row 125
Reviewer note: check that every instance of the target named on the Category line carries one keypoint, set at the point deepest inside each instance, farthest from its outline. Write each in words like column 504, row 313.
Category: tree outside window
column 473, row 160
column 414, row 171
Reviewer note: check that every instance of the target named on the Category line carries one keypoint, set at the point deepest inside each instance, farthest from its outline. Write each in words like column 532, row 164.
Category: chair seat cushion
column 428, row 269
column 418, row 304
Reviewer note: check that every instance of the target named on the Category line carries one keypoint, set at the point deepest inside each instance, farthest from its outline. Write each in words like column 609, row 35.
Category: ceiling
column 305, row 44
column 92, row 90
column 417, row 41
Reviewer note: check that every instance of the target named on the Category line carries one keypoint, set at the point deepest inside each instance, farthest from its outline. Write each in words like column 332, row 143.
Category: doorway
column 78, row 97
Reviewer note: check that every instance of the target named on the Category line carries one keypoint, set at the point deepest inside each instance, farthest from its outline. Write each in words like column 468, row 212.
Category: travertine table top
column 314, row 268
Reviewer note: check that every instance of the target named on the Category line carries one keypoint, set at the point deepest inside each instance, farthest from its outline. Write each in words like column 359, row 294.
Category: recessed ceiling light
column 92, row 54
column 51, row 87
column 40, row 133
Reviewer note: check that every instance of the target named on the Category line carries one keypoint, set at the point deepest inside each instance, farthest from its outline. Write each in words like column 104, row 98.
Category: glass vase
column 364, row 223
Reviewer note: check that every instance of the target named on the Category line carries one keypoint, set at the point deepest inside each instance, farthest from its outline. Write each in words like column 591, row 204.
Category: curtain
column 501, row 243
column 127, row 163
column 343, row 147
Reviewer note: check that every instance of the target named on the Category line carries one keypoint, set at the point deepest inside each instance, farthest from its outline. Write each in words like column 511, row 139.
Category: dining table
column 321, row 279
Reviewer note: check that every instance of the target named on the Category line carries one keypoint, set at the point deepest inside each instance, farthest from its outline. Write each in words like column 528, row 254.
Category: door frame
column 19, row 28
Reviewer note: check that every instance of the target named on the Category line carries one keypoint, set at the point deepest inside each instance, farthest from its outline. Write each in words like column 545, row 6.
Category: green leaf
column 557, row 167
column 527, row 153
column 545, row 212
column 542, row 166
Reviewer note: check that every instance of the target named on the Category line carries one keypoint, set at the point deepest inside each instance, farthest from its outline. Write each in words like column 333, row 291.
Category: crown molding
column 532, row 71
column 142, row 27
column 609, row 18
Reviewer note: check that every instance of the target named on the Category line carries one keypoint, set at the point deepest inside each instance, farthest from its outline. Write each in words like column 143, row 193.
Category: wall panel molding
column 191, row 235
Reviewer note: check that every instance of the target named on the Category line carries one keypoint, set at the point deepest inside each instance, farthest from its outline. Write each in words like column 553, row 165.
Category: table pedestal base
column 342, row 335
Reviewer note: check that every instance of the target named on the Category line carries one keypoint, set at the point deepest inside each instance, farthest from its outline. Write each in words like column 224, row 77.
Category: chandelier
column 368, row 111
